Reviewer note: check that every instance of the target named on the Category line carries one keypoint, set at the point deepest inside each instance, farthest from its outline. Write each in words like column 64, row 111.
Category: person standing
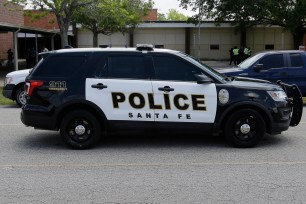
column 236, row 55
column 231, row 56
column 9, row 57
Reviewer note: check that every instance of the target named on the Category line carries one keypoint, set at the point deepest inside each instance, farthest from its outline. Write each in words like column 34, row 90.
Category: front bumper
column 8, row 90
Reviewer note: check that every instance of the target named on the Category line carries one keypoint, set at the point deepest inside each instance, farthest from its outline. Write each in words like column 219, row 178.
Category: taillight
column 31, row 85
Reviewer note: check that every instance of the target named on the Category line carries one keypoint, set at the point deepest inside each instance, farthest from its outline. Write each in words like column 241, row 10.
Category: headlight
column 277, row 95
column 7, row 80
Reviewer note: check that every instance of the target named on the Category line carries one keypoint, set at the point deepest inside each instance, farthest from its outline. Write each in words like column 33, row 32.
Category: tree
column 245, row 13
column 289, row 14
column 63, row 10
column 110, row 16
column 174, row 15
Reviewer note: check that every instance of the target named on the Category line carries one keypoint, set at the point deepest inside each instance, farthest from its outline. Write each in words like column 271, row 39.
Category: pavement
column 213, row 64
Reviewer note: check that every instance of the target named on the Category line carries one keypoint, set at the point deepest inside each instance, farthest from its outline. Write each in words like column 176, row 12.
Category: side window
column 296, row 60
column 126, row 67
column 272, row 61
column 173, row 69
column 60, row 65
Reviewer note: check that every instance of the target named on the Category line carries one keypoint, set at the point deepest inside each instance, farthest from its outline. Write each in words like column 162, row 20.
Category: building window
column 159, row 46
column 214, row 47
column 269, row 47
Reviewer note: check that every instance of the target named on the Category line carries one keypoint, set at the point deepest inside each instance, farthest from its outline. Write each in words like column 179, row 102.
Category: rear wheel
column 244, row 128
column 80, row 129
column 20, row 96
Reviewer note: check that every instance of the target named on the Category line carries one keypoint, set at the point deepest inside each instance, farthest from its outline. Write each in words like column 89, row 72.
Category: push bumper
column 7, row 91
column 296, row 102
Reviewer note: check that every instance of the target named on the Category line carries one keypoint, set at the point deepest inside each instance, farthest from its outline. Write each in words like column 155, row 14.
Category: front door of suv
column 179, row 102
column 120, row 88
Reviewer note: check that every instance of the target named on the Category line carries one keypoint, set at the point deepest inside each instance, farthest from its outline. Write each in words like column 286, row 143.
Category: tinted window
column 296, row 60
column 171, row 68
column 129, row 67
column 60, row 65
column 272, row 61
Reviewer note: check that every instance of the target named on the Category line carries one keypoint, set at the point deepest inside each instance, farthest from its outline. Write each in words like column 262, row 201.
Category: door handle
column 99, row 86
column 166, row 89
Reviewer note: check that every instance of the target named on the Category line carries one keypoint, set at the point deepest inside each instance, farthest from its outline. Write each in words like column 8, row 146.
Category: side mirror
column 258, row 67
column 203, row 79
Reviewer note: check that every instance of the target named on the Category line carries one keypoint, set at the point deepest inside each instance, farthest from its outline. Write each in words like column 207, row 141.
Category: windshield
column 250, row 61
column 205, row 67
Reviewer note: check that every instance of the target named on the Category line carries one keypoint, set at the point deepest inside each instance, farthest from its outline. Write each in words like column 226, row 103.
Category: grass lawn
column 3, row 100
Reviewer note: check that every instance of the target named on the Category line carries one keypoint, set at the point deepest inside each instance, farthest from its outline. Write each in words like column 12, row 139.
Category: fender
column 250, row 104
column 80, row 103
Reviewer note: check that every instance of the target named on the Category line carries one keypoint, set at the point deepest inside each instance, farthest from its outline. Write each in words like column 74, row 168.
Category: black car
column 87, row 93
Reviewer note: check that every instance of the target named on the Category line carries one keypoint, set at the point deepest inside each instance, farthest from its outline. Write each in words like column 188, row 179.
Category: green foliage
column 110, row 16
column 63, row 10
column 246, row 13
column 174, row 15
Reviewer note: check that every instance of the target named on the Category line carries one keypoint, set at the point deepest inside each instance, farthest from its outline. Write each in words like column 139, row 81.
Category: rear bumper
column 38, row 117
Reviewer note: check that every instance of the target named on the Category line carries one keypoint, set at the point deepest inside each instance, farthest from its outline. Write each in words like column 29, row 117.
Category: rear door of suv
column 120, row 88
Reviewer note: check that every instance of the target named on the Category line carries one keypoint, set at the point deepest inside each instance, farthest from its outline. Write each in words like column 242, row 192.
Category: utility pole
column 199, row 32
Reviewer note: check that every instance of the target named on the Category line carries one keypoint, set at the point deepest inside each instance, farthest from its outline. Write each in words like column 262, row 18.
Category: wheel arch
column 81, row 105
column 15, row 90
column 254, row 106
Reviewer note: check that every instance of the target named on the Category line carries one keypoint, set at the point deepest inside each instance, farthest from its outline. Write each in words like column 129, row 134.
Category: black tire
column 244, row 128
column 20, row 96
column 87, row 126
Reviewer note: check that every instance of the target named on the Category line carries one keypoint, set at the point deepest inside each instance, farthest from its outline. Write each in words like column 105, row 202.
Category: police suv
column 87, row 93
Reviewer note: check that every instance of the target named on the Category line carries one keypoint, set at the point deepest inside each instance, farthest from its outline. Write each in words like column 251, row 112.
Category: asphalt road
column 36, row 167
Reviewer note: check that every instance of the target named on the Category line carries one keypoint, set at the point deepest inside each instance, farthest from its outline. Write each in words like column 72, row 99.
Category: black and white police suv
column 87, row 93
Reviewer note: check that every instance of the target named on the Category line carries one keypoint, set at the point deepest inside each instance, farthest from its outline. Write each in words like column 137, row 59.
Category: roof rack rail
column 146, row 47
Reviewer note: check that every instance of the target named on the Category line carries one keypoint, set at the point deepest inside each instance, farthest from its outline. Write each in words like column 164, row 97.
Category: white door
column 122, row 89
column 177, row 96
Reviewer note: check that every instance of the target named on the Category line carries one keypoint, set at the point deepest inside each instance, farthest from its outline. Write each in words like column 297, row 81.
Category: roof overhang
column 7, row 27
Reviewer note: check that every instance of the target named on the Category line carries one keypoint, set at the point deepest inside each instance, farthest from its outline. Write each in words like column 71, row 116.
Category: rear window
column 296, row 60
column 60, row 65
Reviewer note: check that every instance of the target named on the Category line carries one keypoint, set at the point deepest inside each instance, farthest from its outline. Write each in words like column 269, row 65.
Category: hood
column 229, row 70
column 251, row 83
column 18, row 73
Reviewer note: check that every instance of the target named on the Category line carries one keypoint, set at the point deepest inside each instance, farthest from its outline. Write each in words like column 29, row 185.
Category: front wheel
column 80, row 129
column 244, row 128
column 20, row 96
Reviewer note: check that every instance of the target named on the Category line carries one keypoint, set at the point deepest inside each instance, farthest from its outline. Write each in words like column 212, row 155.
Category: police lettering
column 180, row 101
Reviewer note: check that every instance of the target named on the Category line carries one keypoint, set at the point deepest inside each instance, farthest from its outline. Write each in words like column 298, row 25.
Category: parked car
column 288, row 66
column 14, row 83
column 87, row 93
column 14, row 86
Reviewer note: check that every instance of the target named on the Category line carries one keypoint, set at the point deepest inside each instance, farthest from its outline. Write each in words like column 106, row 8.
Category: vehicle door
column 178, row 99
column 120, row 88
column 296, row 71
column 273, row 67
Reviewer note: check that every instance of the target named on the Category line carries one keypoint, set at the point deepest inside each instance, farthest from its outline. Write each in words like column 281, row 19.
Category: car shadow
column 52, row 140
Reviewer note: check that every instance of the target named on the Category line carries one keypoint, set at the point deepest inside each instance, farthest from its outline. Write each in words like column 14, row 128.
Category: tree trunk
column 243, row 37
column 298, row 37
column 63, row 32
column 95, row 39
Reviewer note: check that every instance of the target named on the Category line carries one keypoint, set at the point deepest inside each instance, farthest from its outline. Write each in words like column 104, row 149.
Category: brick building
column 12, row 14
